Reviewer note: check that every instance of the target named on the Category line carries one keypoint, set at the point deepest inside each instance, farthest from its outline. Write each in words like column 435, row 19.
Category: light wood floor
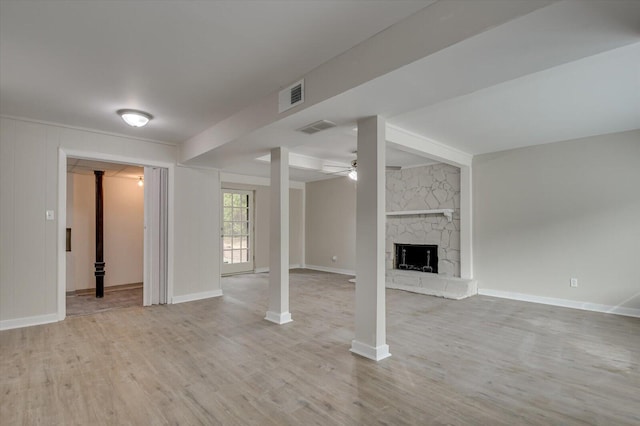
column 87, row 303
column 478, row 361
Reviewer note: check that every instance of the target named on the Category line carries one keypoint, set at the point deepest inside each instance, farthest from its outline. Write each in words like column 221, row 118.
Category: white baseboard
column 278, row 317
column 196, row 296
column 565, row 303
column 375, row 353
column 333, row 270
column 263, row 270
column 28, row 321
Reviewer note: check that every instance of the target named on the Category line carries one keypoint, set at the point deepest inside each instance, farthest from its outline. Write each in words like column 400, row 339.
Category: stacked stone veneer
column 425, row 188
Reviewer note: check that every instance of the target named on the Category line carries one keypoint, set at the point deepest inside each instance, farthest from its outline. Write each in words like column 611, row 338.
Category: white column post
column 370, row 335
column 279, row 238
column 466, row 223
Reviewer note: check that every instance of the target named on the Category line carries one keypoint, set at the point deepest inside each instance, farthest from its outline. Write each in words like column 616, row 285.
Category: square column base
column 278, row 317
column 376, row 353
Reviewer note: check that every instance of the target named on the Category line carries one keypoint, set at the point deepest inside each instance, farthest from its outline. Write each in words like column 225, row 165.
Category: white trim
column 263, row 269
column 196, row 296
column 243, row 267
column 122, row 159
column 62, row 235
column 332, row 270
column 254, row 180
column 86, row 129
column 413, row 143
column 278, row 317
column 63, row 154
column 448, row 213
column 565, row 303
column 377, row 353
column 28, row 321
column 306, row 162
column 303, row 237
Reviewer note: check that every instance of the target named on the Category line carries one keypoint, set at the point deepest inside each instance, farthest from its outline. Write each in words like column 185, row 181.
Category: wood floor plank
column 475, row 361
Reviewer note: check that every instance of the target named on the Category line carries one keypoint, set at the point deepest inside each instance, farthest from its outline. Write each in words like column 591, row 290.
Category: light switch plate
column 50, row 215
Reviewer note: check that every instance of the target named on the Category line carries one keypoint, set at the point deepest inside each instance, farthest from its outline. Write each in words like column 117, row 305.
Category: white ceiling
column 565, row 71
column 592, row 96
column 189, row 63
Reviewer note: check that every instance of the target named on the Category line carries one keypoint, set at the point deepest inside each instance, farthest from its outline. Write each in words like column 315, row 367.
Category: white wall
column 29, row 185
column 28, row 242
column 197, row 231
column 123, row 203
column 331, row 224
column 262, row 213
column 123, row 231
column 547, row 213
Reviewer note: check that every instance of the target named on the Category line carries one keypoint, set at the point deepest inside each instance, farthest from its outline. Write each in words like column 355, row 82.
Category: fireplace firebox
column 416, row 257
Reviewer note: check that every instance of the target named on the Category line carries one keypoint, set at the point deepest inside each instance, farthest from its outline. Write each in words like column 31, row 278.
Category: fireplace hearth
column 416, row 257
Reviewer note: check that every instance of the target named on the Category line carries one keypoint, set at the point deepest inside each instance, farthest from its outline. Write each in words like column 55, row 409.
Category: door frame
column 63, row 154
column 252, row 233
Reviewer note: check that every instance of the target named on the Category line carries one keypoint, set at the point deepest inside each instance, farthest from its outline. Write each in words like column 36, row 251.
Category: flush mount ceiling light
column 134, row 118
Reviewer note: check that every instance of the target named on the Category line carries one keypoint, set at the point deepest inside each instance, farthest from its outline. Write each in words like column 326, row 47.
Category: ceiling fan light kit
column 352, row 172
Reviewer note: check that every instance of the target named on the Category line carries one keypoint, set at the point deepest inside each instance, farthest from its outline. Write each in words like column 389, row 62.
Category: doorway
column 237, row 232
column 135, row 235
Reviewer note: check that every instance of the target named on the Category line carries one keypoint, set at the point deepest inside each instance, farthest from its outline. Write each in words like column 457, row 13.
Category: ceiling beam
column 429, row 30
column 412, row 143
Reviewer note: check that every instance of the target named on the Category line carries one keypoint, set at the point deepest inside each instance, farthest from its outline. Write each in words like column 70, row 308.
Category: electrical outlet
column 573, row 282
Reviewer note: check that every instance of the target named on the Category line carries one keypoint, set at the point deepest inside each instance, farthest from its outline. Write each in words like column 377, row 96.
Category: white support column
column 279, row 238
column 466, row 223
column 370, row 336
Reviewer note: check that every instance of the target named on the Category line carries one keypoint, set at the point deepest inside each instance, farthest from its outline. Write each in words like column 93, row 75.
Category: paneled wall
column 29, row 185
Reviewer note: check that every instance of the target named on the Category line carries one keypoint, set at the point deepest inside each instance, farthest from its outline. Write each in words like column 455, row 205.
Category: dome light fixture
column 134, row 118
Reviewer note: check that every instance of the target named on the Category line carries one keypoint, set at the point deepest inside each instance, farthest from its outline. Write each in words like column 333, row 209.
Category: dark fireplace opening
column 416, row 257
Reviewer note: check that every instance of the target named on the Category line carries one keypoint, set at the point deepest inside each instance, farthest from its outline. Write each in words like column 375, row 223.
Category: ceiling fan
column 352, row 171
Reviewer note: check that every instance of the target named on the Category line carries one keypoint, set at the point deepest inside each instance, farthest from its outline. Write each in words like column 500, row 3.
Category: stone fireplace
column 416, row 257
column 423, row 232
column 425, row 188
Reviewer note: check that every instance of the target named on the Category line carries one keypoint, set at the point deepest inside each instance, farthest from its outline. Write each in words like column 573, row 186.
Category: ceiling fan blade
column 337, row 172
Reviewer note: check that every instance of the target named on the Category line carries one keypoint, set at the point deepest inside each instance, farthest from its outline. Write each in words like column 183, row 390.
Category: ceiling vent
column 291, row 96
column 317, row 127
